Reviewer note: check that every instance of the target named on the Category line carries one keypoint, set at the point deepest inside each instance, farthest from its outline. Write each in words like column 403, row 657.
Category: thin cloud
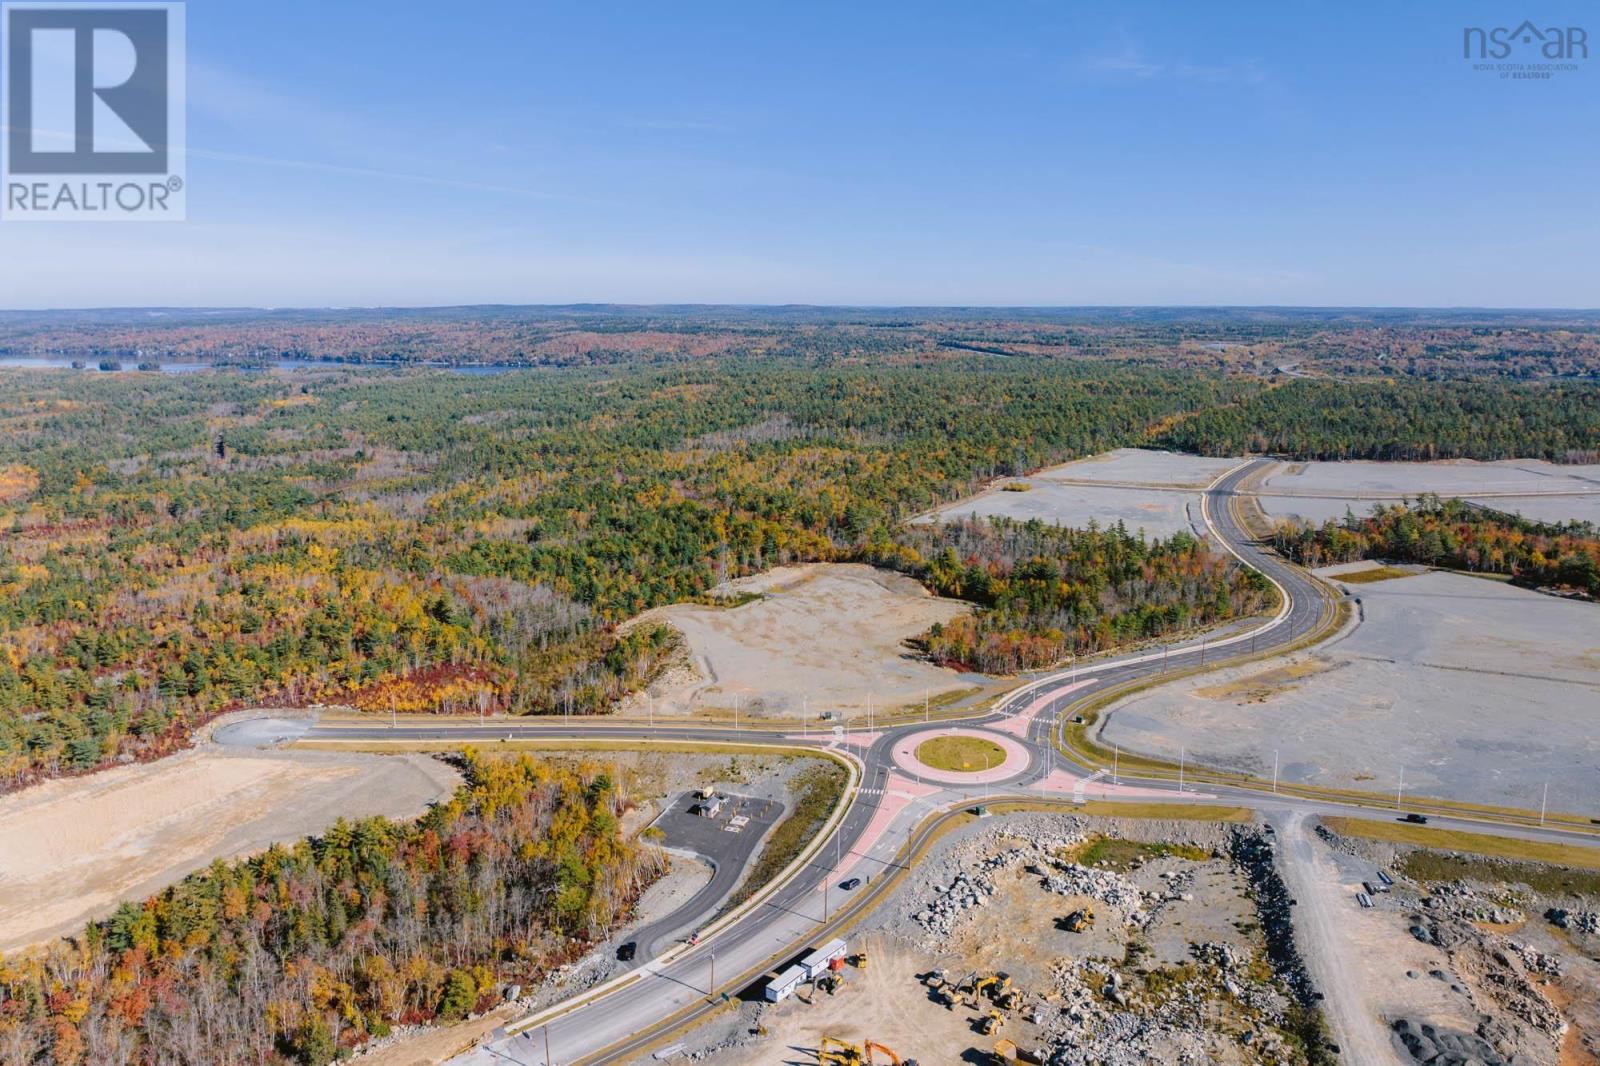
column 1130, row 63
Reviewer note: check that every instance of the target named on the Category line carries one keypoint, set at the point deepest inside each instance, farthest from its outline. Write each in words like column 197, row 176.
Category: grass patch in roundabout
column 961, row 754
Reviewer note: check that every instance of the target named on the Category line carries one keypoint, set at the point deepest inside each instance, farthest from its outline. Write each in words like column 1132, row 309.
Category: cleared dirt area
column 1171, row 968
column 1158, row 492
column 1535, row 489
column 822, row 637
column 1464, row 950
column 1481, row 691
column 71, row 849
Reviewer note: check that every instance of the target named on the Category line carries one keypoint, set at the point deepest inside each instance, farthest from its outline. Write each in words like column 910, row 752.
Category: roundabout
column 960, row 756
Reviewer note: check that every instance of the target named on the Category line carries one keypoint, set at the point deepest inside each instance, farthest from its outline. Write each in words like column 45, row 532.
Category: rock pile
column 1461, row 900
column 1579, row 921
column 1441, row 1047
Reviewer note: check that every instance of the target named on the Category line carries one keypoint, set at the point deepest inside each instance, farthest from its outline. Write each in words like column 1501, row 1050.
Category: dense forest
column 1427, row 344
column 1401, row 420
column 1460, row 536
column 1050, row 593
column 426, row 541
column 303, row 952
column 422, row 540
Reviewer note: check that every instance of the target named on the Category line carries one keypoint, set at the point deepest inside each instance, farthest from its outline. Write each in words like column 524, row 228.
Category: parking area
column 726, row 833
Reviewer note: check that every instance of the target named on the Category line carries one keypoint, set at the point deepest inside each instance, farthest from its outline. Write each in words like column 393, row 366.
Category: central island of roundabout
column 960, row 756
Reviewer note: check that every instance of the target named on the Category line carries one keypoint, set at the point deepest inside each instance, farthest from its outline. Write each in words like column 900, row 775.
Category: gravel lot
column 73, row 848
column 1149, row 490
column 823, row 637
column 1482, row 691
column 1320, row 491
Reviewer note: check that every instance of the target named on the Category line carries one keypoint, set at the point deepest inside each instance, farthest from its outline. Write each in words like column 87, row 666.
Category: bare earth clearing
column 1481, row 691
column 1477, row 957
column 1532, row 488
column 1171, row 969
column 1150, row 490
column 72, row 849
column 822, row 637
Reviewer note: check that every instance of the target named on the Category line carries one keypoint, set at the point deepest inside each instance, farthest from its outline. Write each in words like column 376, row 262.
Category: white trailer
column 784, row 984
column 816, row 962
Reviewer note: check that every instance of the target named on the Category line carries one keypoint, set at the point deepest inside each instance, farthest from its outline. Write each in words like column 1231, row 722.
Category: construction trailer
column 708, row 808
column 783, row 985
column 816, row 962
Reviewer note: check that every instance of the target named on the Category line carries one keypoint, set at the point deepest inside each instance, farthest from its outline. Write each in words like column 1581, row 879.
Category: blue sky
column 920, row 153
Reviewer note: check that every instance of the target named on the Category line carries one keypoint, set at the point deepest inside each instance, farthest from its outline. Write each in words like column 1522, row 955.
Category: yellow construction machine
column 990, row 1023
column 836, row 1052
column 996, row 984
column 870, row 1046
column 1079, row 921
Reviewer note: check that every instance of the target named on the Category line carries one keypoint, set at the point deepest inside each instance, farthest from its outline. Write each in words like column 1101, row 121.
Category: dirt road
column 1313, row 879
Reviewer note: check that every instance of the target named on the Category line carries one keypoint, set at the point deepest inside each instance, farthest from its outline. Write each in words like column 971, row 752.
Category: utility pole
column 1183, row 754
column 736, row 713
column 1116, row 757
column 548, row 1061
column 1544, row 803
column 713, row 975
column 1274, row 771
column 1399, row 789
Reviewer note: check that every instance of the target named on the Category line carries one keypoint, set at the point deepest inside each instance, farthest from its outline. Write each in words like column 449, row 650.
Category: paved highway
column 889, row 811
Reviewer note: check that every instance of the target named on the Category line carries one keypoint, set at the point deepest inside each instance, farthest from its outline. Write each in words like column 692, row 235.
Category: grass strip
column 1447, row 840
column 819, row 788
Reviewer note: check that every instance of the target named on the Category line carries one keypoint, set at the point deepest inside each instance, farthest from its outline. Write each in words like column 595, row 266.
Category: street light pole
column 1274, row 771
column 1183, row 754
column 1116, row 757
column 1544, row 803
column 1399, row 789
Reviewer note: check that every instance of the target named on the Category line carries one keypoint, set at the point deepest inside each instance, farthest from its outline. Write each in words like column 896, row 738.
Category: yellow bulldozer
column 990, row 1023
column 1079, row 921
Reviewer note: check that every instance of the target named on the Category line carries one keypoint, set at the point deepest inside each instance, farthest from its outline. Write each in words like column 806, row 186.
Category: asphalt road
column 726, row 842
column 673, row 991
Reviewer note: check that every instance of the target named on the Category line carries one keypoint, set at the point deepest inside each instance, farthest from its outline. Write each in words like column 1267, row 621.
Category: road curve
column 884, row 819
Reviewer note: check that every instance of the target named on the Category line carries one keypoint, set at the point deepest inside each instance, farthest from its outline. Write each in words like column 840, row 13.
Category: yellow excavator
column 836, row 1052
column 996, row 984
column 870, row 1046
